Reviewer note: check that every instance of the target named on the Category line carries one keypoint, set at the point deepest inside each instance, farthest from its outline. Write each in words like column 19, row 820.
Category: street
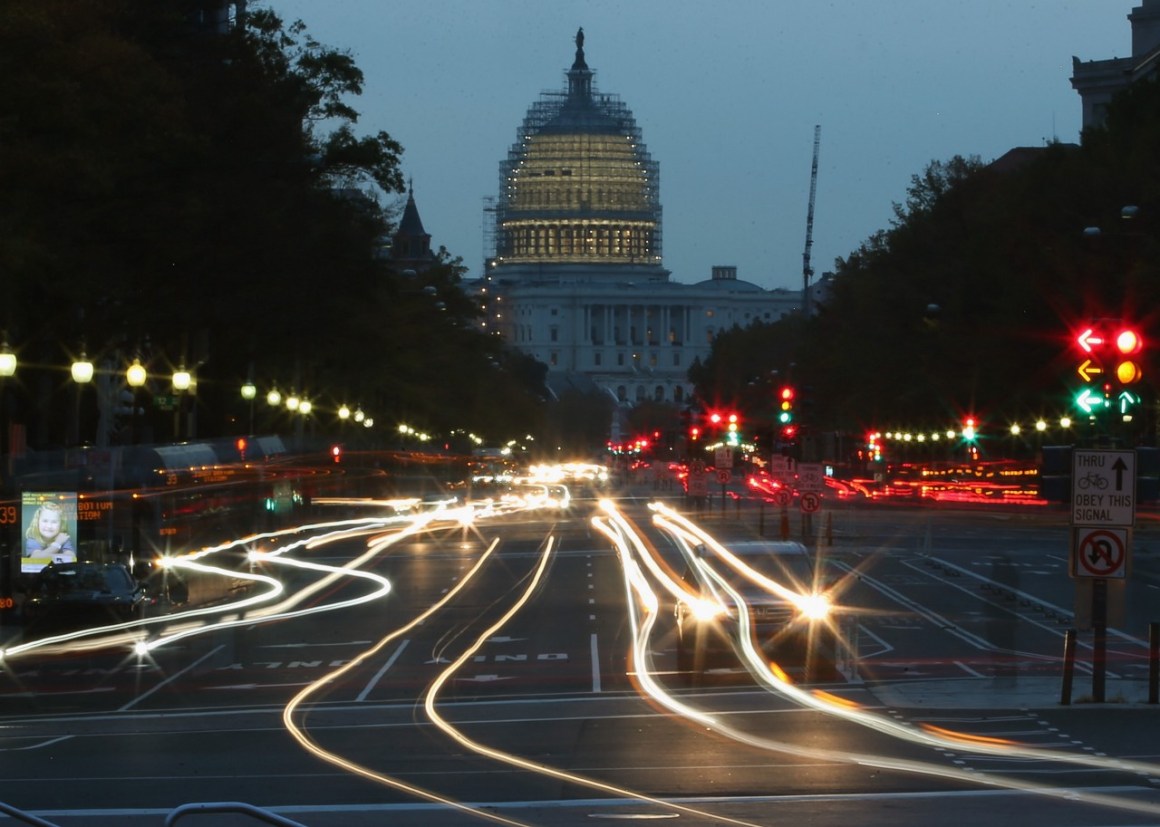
column 515, row 668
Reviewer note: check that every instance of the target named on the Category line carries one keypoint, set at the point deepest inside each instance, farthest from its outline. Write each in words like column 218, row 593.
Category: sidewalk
column 1009, row 692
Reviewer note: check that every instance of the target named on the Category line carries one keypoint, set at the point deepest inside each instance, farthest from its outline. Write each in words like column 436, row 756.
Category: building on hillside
column 577, row 279
column 1097, row 81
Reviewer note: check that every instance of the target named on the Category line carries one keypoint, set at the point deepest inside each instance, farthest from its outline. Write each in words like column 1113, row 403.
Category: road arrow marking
column 485, row 679
column 311, row 645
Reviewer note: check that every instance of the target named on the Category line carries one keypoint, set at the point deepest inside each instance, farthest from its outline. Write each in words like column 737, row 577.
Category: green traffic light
column 785, row 417
column 1091, row 399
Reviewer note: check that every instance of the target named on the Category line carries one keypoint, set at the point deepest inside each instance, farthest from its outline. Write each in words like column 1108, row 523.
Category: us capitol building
column 577, row 279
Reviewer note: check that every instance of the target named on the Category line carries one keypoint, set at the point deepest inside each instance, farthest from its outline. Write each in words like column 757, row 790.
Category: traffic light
column 733, row 435
column 785, row 402
column 1111, row 363
column 970, row 432
column 1126, row 347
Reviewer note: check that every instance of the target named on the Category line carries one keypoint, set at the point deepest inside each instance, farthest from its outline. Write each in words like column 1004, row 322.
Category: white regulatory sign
column 1103, row 488
column 811, row 477
column 1101, row 552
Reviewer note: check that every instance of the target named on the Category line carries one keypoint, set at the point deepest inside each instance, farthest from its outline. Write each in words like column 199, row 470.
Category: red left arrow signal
column 1089, row 340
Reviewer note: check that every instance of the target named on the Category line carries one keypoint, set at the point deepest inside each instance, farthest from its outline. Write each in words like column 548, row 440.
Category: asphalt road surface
column 508, row 672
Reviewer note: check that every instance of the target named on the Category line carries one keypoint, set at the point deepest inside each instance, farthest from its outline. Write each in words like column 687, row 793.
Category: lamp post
column 135, row 376
column 249, row 392
column 182, row 380
column 7, row 371
column 82, row 373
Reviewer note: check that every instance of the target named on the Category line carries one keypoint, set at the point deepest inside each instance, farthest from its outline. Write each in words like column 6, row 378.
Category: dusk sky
column 727, row 95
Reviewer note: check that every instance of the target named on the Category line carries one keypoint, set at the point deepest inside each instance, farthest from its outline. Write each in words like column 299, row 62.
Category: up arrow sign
column 1119, row 466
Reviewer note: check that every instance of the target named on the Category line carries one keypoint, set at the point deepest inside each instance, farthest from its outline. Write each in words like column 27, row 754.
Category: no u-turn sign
column 1100, row 552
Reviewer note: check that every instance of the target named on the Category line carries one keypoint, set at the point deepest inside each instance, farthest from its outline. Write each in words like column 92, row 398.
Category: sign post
column 1103, row 511
column 811, row 482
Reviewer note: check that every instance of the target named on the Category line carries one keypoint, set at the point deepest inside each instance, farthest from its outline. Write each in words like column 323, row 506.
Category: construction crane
column 807, row 269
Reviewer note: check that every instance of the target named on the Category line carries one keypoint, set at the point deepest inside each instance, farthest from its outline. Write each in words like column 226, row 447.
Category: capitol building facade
column 577, row 279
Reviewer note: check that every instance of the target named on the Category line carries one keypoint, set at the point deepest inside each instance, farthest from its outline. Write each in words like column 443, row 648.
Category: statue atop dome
column 579, row 62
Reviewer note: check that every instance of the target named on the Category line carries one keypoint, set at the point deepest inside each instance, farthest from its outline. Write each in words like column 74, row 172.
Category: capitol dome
column 579, row 186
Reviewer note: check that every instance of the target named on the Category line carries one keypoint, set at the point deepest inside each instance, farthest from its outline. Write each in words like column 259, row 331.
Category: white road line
column 595, row 652
column 390, row 662
column 171, row 679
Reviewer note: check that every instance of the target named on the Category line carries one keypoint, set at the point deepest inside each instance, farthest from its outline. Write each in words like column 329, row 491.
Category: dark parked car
column 84, row 594
column 800, row 636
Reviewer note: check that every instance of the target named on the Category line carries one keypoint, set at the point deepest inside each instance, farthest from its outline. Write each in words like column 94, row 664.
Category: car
column 84, row 594
column 791, row 618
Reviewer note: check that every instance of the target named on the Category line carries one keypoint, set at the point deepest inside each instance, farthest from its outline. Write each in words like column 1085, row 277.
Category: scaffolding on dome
column 579, row 185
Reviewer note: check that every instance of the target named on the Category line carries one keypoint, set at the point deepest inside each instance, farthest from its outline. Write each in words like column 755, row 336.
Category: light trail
column 300, row 734
column 768, row 676
column 190, row 622
column 131, row 632
column 525, row 763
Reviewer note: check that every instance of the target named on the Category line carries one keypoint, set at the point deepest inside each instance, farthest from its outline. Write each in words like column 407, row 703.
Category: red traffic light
column 1127, row 342
column 1110, row 347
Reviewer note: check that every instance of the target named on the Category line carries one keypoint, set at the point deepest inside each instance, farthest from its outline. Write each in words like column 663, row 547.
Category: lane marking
column 385, row 667
column 595, row 652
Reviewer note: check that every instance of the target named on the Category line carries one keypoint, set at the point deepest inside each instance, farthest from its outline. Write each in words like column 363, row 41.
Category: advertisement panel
column 49, row 519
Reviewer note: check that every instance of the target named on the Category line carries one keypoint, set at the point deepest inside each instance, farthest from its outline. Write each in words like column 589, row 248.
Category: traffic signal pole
column 1099, row 638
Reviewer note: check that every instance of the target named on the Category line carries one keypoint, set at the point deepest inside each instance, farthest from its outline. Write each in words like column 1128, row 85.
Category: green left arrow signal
column 1090, row 400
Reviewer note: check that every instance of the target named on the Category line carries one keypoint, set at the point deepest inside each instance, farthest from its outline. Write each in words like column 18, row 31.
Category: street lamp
column 82, row 374
column 135, row 376
column 7, row 371
column 7, row 360
column 82, row 370
column 182, row 381
column 249, row 392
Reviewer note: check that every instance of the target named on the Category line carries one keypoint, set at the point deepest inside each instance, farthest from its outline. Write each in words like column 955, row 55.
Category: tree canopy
column 966, row 304
column 203, row 196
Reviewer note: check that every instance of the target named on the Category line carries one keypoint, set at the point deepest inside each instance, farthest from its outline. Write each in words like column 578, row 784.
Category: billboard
column 49, row 519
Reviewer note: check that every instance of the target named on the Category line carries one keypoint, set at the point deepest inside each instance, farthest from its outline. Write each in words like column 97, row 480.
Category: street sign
column 698, row 484
column 811, row 476
column 781, row 468
column 781, row 497
column 1103, row 488
column 810, row 502
column 724, row 475
column 723, row 457
column 1100, row 552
